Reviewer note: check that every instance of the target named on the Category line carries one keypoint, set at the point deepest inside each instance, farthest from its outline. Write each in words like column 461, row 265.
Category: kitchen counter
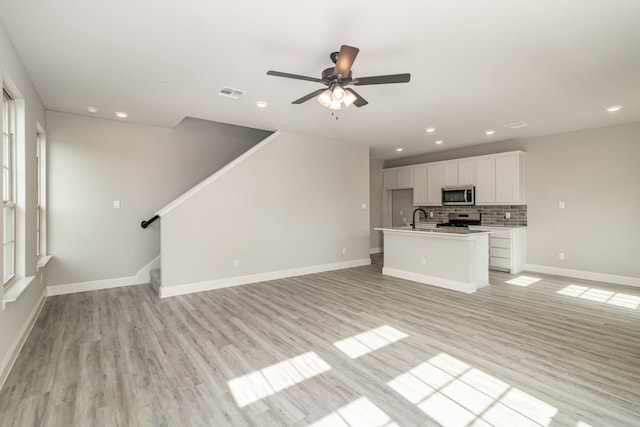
column 446, row 231
column 497, row 226
column 455, row 259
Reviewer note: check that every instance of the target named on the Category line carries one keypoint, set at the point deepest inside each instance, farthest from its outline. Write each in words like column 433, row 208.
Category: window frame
column 9, row 125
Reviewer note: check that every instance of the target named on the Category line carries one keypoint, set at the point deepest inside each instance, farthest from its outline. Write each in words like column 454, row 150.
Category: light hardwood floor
column 349, row 347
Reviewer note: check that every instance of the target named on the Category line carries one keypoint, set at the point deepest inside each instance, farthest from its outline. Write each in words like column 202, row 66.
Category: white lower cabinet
column 506, row 248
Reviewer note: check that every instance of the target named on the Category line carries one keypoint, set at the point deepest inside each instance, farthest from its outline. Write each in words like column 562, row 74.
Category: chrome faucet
column 414, row 216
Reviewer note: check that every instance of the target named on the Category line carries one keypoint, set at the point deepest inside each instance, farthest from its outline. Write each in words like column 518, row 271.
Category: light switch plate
column 116, row 204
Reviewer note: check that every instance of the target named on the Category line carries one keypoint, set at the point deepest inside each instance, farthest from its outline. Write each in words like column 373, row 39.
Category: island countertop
column 447, row 232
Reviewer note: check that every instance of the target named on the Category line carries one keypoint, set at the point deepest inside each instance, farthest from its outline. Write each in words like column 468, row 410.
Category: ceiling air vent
column 231, row 93
column 516, row 125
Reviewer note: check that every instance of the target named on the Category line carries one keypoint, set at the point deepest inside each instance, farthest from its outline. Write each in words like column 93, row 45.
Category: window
column 41, row 226
column 8, row 190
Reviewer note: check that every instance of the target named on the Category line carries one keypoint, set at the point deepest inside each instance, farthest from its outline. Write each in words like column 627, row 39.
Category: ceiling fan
column 338, row 78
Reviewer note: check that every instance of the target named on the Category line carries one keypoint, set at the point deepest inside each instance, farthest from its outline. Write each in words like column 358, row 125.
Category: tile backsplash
column 491, row 215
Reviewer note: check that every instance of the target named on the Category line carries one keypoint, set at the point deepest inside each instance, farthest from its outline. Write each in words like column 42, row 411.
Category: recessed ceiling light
column 121, row 114
column 438, row 142
column 262, row 104
column 92, row 110
column 430, row 130
column 490, row 132
column 399, row 149
column 614, row 108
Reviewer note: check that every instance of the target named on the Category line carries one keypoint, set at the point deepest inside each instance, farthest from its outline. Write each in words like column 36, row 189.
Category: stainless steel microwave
column 459, row 195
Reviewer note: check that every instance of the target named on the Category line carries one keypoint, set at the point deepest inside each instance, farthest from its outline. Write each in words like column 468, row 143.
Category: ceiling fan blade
column 381, row 80
column 309, row 96
column 345, row 60
column 360, row 101
column 294, row 76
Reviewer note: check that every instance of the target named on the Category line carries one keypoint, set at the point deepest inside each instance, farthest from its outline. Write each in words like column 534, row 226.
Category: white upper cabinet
column 459, row 172
column 398, row 178
column 435, row 176
column 450, row 174
column 500, row 179
column 427, row 185
column 420, row 185
column 485, row 181
column 507, row 179
column 467, row 172
column 405, row 177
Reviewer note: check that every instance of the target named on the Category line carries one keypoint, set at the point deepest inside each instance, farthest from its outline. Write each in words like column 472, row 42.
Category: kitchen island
column 455, row 259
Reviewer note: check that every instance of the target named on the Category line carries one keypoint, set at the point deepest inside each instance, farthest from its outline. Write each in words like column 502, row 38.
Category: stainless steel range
column 462, row 220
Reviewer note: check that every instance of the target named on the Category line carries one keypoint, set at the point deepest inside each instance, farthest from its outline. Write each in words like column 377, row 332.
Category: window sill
column 42, row 262
column 15, row 290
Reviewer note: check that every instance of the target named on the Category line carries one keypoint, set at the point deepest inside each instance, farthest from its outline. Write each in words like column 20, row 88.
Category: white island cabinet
column 506, row 247
column 456, row 260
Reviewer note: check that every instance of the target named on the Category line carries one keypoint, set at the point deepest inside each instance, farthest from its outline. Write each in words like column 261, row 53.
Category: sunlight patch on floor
column 456, row 394
column 359, row 413
column 265, row 382
column 523, row 281
column 366, row 342
column 601, row 295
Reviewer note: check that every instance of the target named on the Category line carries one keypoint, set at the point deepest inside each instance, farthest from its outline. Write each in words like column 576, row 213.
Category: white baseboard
column 375, row 250
column 12, row 355
column 188, row 288
column 144, row 274
column 430, row 280
column 585, row 275
column 94, row 285
column 141, row 277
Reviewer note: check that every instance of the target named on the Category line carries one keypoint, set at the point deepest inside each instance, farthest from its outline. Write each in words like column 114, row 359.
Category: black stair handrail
column 145, row 224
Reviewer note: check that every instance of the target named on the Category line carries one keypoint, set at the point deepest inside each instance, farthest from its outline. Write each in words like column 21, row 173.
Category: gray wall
column 294, row 203
column 375, row 199
column 596, row 173
column 15, row 317
column 93, row 162
column 401, row 207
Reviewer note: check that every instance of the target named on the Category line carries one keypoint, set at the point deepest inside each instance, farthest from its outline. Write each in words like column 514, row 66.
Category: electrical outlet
column 364, row 206
column 561, row 256
column 430, row 214
column 116, row 204
column 423, row 261
column 561, row 205
column 401, row 213
column 344, row 251
column 236, row 263
column 507, row 215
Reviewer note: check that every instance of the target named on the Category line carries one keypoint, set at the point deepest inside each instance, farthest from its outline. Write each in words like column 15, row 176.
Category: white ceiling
column 474, row 64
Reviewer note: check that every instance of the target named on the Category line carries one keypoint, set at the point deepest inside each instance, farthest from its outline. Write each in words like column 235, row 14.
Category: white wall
column 294, row 203
column 93, row 162
column 16, row 318
column 595, row 172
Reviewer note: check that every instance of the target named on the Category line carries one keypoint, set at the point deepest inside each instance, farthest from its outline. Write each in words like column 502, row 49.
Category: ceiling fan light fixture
column 338, row 93
column 325, row 98
column 335, row 105
column 337, row 78
column 349, row 99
